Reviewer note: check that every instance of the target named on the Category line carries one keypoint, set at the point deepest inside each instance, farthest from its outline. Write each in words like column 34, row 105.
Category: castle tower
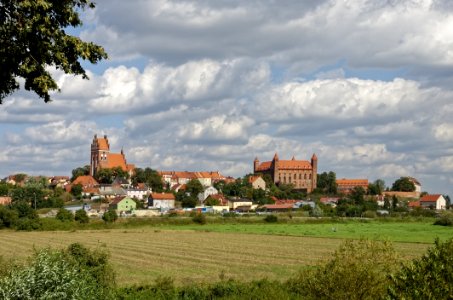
column 256, row 163
column 314, row 174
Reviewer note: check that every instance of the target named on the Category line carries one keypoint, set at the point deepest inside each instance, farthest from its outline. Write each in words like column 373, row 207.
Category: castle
column 101, row 158
column 300, row 173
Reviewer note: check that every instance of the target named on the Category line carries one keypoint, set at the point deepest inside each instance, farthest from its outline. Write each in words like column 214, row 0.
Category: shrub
column 199, row 219
column 110, row 216
column 28, row 224
column 81, row 216
column 271, row 219
column 64, row 215
column 429, row 277
column 446, row 219
column 358, row 270
column 8, row 217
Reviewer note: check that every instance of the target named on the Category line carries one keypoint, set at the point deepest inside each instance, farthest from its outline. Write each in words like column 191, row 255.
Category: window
column 295, row 176
column 300, row 176
column 309, row 176
column 305, row 176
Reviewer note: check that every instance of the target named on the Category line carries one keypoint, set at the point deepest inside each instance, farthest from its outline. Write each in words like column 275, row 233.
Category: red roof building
column 300, row 173
column 435, row 201
column 102, row 158
column 346, row 186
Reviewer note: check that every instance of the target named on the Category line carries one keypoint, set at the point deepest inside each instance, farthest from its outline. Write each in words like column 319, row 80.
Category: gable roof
column 85, row 180
column 117, row 200
column 430, row 198
column 162, row 196
column 116, row 160
column 103, row 144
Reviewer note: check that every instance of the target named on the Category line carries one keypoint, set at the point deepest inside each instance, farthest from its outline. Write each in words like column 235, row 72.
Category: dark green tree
column 110, row 216
column 81, row 216
column 194, row 187
column 64, row 215
column 211, row 201
column 327, row 183
column 33, row 37
column 403, row 184
column 395, row 202
column 76, row 190
column 377, row 187
column 429, row 277
column 8, row 217
column 148, row 176
column 80, row 171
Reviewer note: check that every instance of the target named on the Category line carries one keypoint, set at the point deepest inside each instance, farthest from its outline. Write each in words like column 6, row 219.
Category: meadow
column 193, row 253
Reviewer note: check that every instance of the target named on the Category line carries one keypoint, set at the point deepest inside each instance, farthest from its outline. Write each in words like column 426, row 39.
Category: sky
column 210, row 85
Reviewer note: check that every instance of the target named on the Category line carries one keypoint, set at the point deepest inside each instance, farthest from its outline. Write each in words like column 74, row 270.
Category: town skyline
column 197, row 85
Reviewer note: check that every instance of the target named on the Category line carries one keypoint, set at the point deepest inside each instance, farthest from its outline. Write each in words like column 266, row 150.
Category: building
column 257, row 182
column 101, row 157
column 436, row 201
column 172, row 178
column 163, row 201
column 123, row 204
column 5, row 200
column 301, row 173
column 345, row 186
column 206, row 193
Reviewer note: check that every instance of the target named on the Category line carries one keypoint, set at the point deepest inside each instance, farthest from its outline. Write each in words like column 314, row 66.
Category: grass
column 204, row 253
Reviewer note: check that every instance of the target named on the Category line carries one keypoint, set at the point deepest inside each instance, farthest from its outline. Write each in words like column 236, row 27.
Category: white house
column 139, row 194
column 163, row 201
column 257, row 182
column 206, row 193
column 436, row 201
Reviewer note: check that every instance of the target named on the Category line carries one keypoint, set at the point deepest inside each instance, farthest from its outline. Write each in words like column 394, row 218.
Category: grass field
column 195, row 253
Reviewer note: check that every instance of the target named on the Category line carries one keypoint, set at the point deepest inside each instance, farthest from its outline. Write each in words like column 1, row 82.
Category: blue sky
column 209, row 85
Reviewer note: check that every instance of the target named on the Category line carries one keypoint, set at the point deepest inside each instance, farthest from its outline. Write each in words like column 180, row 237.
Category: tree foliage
column 64, row 215
column 358, row 270
column 110, row 216
column 327, row 183
column 107, row 175
column 403, row 184
column 80, row 171
column 149, row 177
column 81, row 216
column 429, row 277
column 377, row 187
column 33, row 37
column 75, row 273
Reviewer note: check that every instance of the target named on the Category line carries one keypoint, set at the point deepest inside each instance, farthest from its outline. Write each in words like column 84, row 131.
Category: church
column 102, row 158
column 302, row 174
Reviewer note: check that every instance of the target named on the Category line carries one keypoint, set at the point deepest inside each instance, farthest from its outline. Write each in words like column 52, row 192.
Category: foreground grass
column 140, row 256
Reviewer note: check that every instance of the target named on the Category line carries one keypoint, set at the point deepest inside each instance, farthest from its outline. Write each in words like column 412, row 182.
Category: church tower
column 100, row 149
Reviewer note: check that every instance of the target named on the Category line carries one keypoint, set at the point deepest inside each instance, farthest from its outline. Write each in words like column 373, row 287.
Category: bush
column 81, row 216
column 446, row 219
column 64, row 215
column 60, row 275
column 8, row 217
column 358, row 270
column 199, row 219
column 110, row 216
column 271, row 219
column 28, row 224
column 429, row 277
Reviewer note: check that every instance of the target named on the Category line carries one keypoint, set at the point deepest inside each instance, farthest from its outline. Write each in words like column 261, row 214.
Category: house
column 436, row 201
column 59, row 181
column 333, row 201
column 138, row 193
column 234, row 204
column 101, row 157
column 172, row 178
column 110, row 191
column 346, row 186
column 5, row 200
column 300, row 173
column 413, row 204
column 163, row 201
column 257, row 182
column 123, row 204
column 206, row 193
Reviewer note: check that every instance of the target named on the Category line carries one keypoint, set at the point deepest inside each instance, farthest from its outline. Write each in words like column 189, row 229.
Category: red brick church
column 301, row 173
column 102, row 158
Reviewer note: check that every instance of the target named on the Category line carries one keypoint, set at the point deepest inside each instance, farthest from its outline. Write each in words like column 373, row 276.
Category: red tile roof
column 103, row 144
column 117, row 200
column 355, row 182
column 430, row 198
column 116, row 160
column 162, row 196
column 286, row 165
column 414, row 204
column 85, row 180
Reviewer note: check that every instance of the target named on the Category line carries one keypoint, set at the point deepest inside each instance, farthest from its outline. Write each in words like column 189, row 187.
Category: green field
column 203, row 253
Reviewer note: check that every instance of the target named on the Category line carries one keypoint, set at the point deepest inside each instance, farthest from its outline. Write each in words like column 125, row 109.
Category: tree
column 33, row 37
column 81, row 216
column 377, row 187
column 80, row 171
column 107, row 175
column 357, row 270
column 394, row 202
column 429, row 277
column 327, row 182
column 76, row 189
column 148, row 176
column 110, row 216
column 211, row 201
column 403, row 184
column 194, row 187
column 64, row 215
